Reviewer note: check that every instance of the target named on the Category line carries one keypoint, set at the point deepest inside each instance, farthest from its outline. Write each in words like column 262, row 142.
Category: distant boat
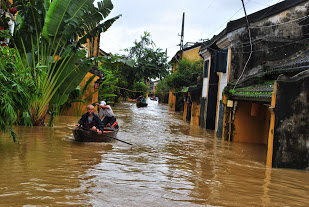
column 140, row 104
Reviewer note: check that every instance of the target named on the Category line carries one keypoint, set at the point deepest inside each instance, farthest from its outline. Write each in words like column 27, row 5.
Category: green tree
column 187, row 73
column 45, row 36
column 150, row 62
column 162, row 90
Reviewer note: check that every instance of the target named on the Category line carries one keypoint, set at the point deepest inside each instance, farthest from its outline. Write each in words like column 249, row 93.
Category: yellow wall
column 80, row 108
column 195, row 114
column 251, row 123
column 172, row 100
column 192, row 54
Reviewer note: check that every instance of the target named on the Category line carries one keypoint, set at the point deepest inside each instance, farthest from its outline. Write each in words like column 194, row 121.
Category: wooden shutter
column 206, row 66
column 221, row 61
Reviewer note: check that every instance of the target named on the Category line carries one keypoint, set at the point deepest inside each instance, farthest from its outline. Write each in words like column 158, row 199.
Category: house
column 152, row 87
column 183, row 101
column 256, row 82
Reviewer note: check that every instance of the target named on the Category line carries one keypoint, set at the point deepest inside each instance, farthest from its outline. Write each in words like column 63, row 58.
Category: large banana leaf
column 63, row 14
column 71, row 80
column 45, row 37
column 103, row 27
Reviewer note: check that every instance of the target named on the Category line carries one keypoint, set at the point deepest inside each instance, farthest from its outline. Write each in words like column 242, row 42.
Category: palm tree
column 49, row 38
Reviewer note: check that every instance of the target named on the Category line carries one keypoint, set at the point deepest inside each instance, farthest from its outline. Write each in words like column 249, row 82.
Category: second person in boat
column 106, row 112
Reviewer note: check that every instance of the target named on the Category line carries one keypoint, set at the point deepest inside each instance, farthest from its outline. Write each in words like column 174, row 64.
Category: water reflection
column 170, row 164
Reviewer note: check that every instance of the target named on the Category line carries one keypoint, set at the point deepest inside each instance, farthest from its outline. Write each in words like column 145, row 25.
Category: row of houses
column 255, row 83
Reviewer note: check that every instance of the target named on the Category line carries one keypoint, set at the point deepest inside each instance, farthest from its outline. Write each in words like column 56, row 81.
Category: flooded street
column 169, row 164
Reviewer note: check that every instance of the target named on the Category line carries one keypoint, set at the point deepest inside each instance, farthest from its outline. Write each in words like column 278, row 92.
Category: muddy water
column 169, row 164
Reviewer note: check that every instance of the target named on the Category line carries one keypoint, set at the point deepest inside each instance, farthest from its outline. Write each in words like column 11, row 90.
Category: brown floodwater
column 169, row 164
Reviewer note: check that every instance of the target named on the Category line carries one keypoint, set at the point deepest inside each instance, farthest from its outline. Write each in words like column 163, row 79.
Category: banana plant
column 49, row 38
column 78, row 96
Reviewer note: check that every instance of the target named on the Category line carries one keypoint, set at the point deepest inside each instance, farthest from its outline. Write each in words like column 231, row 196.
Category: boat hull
column 141, row 104
column 82, row 135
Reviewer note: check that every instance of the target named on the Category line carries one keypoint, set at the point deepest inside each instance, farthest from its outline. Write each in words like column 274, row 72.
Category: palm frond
column 103, row 27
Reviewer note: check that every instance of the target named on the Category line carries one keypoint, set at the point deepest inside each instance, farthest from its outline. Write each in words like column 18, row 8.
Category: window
column 206, row 66
column 221, row 61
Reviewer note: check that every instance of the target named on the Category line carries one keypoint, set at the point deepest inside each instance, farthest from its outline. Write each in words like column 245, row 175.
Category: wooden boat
column 85, row 135
column 140, row 104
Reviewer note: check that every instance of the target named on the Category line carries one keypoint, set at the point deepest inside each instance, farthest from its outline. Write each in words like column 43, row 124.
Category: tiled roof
column 95, row 70
column 293, row 66
column 254, row 93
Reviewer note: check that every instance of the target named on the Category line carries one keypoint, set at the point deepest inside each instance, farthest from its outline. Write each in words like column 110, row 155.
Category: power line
column 251, row 47
column 204, row 11
column 283, row 23
column 230, row 18
column 267, row 11
column 293, row 42
column 259, row 3
column 278, row 46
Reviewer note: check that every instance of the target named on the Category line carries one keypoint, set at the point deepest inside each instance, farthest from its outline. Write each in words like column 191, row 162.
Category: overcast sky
column 162, row 18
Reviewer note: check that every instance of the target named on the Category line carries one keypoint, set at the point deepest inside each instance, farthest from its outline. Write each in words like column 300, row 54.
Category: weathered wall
column 291, row 134
column 276, row 40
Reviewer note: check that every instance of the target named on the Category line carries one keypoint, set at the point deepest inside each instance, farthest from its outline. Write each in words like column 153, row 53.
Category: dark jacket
column 96, row 121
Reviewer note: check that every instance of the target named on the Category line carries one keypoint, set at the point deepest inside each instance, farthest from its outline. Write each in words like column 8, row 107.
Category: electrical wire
column 229, row 18
column 297, row 41
column 260, row 40
column 291, row 21
column 251, row 46
column 267, row 11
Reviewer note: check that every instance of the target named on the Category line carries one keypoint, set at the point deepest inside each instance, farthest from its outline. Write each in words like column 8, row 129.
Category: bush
column 15, row 89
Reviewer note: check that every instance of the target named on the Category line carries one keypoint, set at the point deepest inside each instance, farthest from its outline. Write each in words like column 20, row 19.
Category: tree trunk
column 38, row 121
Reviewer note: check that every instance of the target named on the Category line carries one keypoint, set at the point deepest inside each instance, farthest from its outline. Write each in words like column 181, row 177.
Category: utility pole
column 182, row 32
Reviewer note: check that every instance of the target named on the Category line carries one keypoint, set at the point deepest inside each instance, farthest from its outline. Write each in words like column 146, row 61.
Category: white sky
column 162, row 18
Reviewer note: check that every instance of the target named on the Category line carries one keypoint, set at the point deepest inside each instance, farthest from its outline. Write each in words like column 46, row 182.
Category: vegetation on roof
column 259, row 90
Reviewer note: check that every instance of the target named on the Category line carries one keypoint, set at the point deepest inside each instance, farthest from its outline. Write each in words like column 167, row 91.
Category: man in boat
column 91, row 120
column 138, row 100
column 143, row 100
column 106, row 112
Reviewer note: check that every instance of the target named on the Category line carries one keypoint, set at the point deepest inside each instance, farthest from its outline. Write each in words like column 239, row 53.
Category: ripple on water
column 170, row 164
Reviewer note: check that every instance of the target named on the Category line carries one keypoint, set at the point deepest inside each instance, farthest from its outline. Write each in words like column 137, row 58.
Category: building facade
column 255, row 79
column 187, row 100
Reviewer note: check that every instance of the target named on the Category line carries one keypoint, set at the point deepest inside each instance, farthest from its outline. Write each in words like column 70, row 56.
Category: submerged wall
column 291, row 134
column 251, row 123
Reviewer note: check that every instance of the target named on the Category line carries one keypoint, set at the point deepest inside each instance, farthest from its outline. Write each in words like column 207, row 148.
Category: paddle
column 81, row 127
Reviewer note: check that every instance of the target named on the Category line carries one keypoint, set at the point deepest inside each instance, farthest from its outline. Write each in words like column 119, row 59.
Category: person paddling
column 91, row 120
